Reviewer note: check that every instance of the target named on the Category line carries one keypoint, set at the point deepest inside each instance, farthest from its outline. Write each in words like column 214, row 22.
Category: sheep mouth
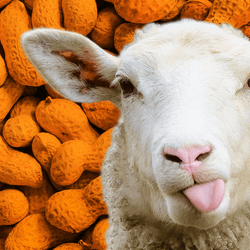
column 206, row 197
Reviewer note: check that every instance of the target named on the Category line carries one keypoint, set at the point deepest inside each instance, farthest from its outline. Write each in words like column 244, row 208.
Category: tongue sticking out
column 206, row 197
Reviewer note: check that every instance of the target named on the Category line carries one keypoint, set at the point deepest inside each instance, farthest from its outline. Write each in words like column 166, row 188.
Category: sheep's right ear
column 45, row 47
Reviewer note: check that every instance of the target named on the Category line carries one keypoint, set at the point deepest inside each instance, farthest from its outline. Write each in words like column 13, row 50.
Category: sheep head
column 184, row 92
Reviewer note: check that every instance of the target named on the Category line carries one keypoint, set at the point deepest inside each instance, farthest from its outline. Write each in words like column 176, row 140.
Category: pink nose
column 187, row 155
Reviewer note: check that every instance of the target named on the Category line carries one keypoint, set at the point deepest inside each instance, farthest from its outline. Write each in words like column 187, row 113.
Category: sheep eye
column 127, row 87
column 247, row 84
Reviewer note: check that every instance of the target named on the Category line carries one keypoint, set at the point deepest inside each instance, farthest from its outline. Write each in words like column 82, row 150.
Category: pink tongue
column 206, row 197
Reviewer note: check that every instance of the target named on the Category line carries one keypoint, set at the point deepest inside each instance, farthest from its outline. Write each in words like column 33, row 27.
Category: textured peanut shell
column 10, row 92
column 75, row 156
column 4, row 3
column 246, row 30
column 25, row 106
column 14, row 206
column 38, row 197
column 234, row 12
column 69, row 246
column 20, row 130
column 17, row 168
column 14, row 21
column 34, row 232
column 84, row 180
column 174, row 13
column 104, row 30
column 3, row 71
column 75, row 210
column 47, row 14
column 143, row 11
column 197, row 9
column 103, row 114
column 98, row 235
column 44, row 146
column 79, row 16
column 65, row 119
column 124, row 34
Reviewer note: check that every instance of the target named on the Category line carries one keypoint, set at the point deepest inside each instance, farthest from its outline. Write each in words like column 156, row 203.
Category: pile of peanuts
column 52, row 149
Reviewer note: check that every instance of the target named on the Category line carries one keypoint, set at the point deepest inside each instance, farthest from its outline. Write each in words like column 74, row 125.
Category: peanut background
column 52, row 149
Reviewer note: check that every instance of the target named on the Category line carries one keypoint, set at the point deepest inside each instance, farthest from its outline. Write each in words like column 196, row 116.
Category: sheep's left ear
column 45, row 48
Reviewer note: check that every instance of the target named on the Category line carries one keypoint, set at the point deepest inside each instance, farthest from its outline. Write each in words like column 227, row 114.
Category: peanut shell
column 14, row 21
column 35, row 233
column 65, row 119
column 17, row 168
column 14, row 206
column 62, row 209
column 10, row 92
column 20, row 130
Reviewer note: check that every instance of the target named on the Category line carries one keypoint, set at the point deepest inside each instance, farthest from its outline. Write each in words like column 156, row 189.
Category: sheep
column 177, row 173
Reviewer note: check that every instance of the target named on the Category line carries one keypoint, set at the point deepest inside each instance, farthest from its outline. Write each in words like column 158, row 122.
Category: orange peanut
column 79, row 16
column 47, row 14
column 103, row 33
column 102, row 114
column 25, row 106
column 98, row 235
column 10, row 92
column 34, row 232
column 75, row 156
column 44, row 146
column 38, row 197
column 14, row 206
column 62, row 209
column 14, row 21
column 196, row 9
column 143, row 11
column 3, row 71
column 65, row 119
column 124, row 34
column 69, row 246
column 20, row 130
column 236, row 13
column 18, row 168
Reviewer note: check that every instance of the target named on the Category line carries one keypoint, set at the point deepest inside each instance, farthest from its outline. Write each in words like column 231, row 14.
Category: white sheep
column 177, row 175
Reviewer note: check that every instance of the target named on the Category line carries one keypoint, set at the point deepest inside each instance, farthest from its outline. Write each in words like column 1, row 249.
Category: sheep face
column 184, row 93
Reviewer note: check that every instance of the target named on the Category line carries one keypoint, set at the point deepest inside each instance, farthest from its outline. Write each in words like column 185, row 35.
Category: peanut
column 20, row 130
column 14, row 20
column 75, row 156
column 17, row 168
column 35, row 233
column 14, row 206
column 62, row 209
column 65, row 119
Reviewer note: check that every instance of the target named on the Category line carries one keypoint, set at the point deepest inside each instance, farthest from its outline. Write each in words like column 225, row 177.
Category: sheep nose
column 186, row 155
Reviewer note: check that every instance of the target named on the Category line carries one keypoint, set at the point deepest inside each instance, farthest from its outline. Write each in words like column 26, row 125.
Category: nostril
column 202, row 157
column 173, row 158
column 187, row 155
